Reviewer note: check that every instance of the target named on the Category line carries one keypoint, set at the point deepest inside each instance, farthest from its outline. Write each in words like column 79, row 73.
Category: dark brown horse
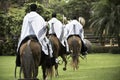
column 58, row 50
column 31, row 57
column 75, row 46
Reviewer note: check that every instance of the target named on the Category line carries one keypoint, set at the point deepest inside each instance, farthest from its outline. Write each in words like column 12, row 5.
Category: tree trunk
column 118, row 40
column 102, row 41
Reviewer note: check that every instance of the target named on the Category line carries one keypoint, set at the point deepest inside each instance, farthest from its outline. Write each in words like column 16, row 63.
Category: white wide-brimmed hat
column 82, row 21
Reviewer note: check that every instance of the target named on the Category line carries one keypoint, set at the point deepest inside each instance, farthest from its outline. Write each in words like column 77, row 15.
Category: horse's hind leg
column 56, row 64
column 36, row 50
column 35, row 67
column 65, row 62
column 35, row 73
column 20, row 72
column 44, row 72
column 27, row 61
column 56, row 70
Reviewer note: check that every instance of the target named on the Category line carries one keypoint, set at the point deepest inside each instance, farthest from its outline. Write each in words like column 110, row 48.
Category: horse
column 31, row 57
column 58, row 50
column 75, row 45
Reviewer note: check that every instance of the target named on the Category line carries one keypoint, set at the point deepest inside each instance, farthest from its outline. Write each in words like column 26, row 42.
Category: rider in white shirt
column 75, row 28
column 34, row 25
column 56, row 27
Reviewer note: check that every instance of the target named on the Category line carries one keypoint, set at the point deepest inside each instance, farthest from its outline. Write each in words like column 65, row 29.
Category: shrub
column 103, row 49
column 115, row 50
column 9, row 47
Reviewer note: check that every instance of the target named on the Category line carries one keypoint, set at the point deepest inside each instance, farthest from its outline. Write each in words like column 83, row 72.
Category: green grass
column 97, row 67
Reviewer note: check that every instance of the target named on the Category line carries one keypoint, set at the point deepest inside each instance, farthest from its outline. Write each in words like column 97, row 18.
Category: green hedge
column 10, row 27
column 115, row 50
column 103, row 49
column 8, row 47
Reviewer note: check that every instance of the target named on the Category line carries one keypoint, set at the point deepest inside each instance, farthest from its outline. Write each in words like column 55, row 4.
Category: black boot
column 84, row 49
column 18, row 60
column 53, row 61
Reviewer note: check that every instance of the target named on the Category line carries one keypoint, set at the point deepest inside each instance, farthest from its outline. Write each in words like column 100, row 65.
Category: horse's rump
column 74, row 42
column 30, row 54
column 35, row 48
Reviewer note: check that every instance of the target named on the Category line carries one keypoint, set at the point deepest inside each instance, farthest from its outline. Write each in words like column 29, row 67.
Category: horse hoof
column 64, row 69
column 56, row 76
column 45, row 78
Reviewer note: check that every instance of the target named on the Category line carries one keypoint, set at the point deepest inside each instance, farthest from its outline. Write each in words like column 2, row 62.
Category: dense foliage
column 10, row 29
column 105, row 17
column 10, row 26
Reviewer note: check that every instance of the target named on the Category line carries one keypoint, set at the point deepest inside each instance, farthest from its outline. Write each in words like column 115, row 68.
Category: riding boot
column 54, row 60
column 50, row 54
column 67, row 47
column 84, row 49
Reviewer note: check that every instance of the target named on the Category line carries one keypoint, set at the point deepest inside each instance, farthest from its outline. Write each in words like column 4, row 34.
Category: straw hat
column 82, row 21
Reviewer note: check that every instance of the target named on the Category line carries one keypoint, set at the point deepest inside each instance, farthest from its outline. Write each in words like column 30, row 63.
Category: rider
column 82, row 22
column 75, row 28
column 35, row 25
column 55, row 26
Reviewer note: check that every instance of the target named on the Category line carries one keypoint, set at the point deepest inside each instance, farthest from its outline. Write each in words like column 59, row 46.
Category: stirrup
column 57, row 60
column 84, row 53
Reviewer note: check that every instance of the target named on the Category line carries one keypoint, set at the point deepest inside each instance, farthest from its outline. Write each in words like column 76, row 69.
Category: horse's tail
column 27, row 61
column 15, row 72
column 50, row 71
column 75, row 57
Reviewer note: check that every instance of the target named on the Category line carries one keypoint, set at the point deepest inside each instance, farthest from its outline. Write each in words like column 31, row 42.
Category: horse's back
column 75, row 44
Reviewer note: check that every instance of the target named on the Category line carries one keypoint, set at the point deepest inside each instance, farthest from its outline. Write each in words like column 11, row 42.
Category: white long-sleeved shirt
column 74, row 28
column 55, row 27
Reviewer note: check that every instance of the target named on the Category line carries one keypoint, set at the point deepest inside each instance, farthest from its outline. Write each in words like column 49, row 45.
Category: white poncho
column 74, row 28
column 34, row 24
column 56, row 27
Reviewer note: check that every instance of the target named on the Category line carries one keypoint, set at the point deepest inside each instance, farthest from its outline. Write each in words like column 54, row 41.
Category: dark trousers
column 18, row 60
column 84, row 48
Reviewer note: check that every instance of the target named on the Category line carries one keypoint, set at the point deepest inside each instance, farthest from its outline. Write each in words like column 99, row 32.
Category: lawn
column 97, row 67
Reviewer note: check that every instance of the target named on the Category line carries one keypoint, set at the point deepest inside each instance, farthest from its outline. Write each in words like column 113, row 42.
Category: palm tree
column 106, row 18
